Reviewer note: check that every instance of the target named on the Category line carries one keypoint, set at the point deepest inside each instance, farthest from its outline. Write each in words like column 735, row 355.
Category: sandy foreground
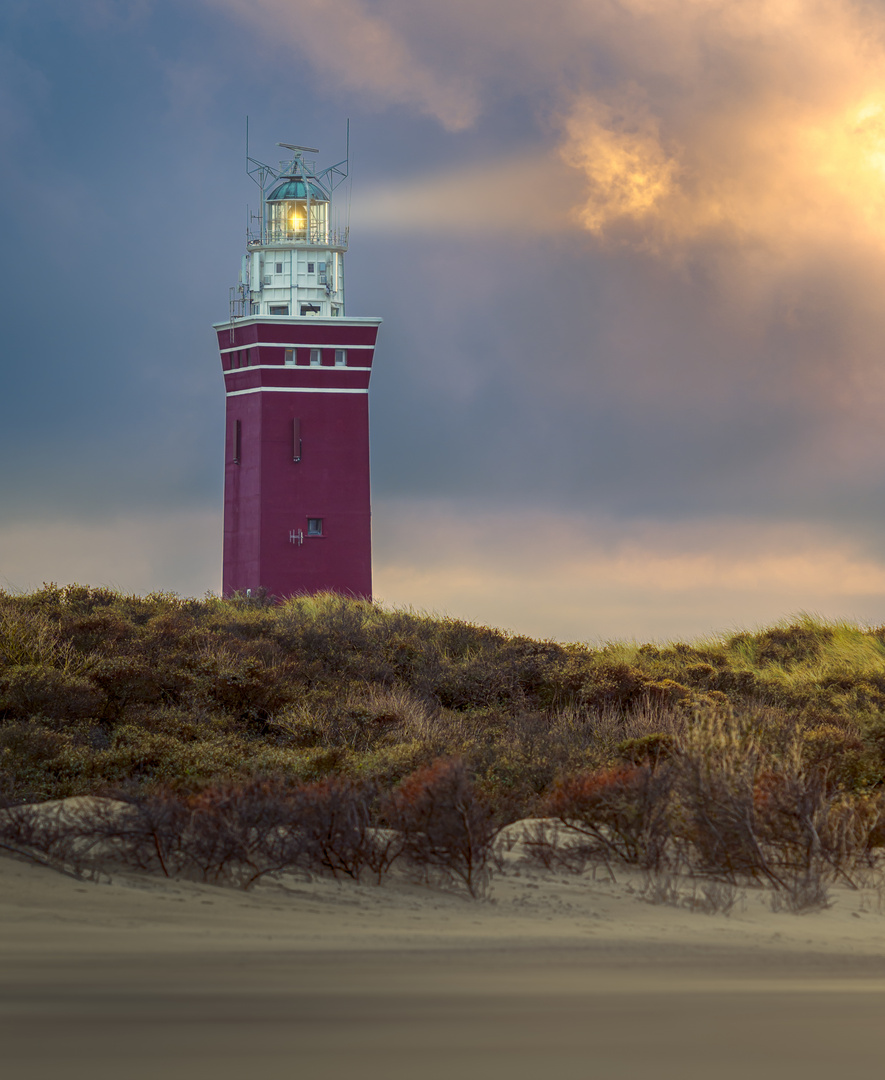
column 563, row 975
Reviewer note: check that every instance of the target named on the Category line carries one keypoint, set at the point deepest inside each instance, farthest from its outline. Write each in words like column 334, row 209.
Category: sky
column 630, row 258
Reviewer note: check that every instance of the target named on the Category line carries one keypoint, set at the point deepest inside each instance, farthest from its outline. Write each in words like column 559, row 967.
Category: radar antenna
column 298, row 149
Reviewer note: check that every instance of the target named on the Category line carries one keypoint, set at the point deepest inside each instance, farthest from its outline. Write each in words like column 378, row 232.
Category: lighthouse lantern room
column 296, row 373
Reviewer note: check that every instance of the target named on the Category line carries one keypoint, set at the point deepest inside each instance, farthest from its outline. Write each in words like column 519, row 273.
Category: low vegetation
column 754, row 756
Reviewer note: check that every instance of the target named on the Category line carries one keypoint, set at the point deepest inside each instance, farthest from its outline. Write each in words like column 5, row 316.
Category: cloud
column 758, row 125
column 173, row 550
column 767, row 133
column 725, row 164
column 629, row 174
column 24, row 92
column 354, row 49
column 590, row 581
column 600, row 580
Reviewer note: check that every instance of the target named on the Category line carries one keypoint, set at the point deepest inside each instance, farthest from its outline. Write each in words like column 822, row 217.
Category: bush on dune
column 444, row 825
column 751, row 755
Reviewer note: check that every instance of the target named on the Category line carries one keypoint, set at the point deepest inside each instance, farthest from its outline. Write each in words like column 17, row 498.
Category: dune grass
column 100, row 690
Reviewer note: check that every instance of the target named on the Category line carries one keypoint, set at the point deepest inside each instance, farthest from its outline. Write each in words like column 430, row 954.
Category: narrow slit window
column 315, row 357
column 314, row 526
column 238, row 441
column 296, row 440
column 321, row 273
column 341, row 358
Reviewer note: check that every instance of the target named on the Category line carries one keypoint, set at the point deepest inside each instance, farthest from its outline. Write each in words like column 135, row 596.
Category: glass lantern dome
column 298, row 209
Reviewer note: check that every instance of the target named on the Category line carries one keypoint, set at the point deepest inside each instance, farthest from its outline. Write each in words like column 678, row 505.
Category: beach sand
column 139, row 977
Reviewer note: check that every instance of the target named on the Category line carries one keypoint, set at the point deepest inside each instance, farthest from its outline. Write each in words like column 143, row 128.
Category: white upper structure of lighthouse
column 294, row 263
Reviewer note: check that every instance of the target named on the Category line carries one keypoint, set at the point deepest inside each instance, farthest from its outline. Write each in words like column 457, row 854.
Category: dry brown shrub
column 749, row 811
column 622, row 812
column 332, row 819
column 446, row 828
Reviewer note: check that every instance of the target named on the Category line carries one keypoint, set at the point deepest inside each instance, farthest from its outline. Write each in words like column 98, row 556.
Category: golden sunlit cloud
column 629, row 175
column 770, row 131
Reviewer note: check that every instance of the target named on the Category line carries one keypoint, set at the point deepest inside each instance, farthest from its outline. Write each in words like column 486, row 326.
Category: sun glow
column 781, row 179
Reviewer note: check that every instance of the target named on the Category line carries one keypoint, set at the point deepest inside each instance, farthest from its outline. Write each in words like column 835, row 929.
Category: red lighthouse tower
column 296, row 374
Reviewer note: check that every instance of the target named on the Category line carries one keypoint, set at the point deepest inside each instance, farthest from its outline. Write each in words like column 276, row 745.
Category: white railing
column 331, row 238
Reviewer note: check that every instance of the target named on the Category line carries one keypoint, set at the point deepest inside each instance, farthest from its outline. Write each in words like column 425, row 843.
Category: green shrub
column 28, row 690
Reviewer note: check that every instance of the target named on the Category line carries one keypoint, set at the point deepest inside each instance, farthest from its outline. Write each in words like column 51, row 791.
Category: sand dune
column 556, row 974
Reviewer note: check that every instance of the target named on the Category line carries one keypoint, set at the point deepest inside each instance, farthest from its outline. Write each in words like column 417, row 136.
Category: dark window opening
column 310, row 268
column 278, row 267
column 279, row 309
column 340, row 358
column 296, row 440
column 238, row 441
column 314, row 526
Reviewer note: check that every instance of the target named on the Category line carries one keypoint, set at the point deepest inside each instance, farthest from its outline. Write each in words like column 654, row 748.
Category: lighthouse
column 296, row 368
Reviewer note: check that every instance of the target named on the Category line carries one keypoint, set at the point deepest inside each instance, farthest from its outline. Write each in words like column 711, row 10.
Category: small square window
column 310, row 268
column 315, row 357
column 314, row 526
column 290, row 356
column 278, row 268
column 340, row 357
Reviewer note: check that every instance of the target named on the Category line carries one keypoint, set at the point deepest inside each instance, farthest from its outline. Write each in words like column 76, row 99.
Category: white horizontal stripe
column 298, row 390
column 297, row 321
column 294, row 367
column 292, row 345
